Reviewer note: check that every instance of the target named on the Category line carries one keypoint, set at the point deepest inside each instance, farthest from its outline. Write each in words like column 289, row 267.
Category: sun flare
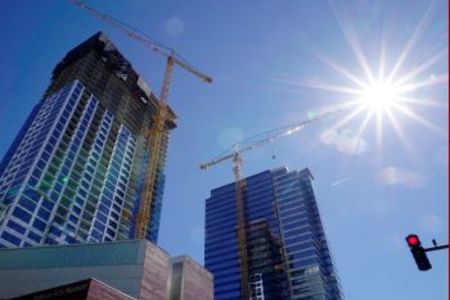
column 379, row 96
column 387, row 90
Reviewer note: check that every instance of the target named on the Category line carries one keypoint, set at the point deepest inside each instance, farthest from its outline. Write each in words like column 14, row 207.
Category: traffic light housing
column 418, row 252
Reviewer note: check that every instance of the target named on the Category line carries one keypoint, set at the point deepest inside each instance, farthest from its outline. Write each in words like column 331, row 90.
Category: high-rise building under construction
column 287, row 253
column 77, row 169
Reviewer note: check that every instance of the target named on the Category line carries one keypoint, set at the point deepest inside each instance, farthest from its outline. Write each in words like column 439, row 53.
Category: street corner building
column 79, row 168
column 188, row 280
column 134, row 269
column 89, row 289
column 286, row 253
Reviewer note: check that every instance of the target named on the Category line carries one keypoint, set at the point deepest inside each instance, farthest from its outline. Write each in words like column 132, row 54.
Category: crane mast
column 235, row 156
column 241, row 231
column 155, row 135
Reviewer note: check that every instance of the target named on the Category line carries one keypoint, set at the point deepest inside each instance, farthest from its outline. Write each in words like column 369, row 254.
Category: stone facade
column 189, row 281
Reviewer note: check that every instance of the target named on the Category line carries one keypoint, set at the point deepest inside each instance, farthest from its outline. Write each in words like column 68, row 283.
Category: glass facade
column 77, row 169
column 288, row 256
column 66, row 181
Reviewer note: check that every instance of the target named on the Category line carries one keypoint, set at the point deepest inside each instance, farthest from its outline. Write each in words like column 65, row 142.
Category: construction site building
column 76, row 170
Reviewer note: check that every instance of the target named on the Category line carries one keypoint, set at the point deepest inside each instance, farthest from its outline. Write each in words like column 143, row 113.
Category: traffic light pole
column 419, row 253
column 436, row 248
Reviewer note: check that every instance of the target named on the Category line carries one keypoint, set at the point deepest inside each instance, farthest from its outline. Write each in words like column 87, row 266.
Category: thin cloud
column 396, row 243
column 174, row 26
column 344, row 142
column 340, row 181
column 398, row 176
column 430, row 223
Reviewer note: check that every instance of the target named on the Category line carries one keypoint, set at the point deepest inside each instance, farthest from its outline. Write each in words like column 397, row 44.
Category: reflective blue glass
column 17, row 227
column 11, row 238
column 22, row 214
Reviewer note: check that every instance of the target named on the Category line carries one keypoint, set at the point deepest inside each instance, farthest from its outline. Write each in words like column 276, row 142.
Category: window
column 13, row 225
column 27, row 204
column 51, row 241
column 113, row 224
column 79, row 201
column 300, row 247
column 32, row 194
column 44, row 214
column 101, row 217
column 303, row 255
column 10, row 238
column 85, row 184
column 55, row 231
column 299, row 239
column 35, row 237
column 301, row 264
column 108, row 194
column 110, row 232
column 295, row 225
column 95, row 236
column 103, row 208
column 73, row 218
column 77, row 210
column 47, row 204
column 71, row 240
column 54, row 196
column 39, row 225
column 22, row 214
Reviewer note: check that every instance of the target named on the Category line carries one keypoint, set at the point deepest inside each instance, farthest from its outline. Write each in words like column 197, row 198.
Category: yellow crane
column 155, row 135
column 235, row 156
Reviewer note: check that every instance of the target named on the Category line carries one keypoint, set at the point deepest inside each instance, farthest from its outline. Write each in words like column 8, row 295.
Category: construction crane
column 155, row 134
column 235, row 156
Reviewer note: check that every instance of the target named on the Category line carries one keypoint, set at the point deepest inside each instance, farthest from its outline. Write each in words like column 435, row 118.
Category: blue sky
column 265, row 56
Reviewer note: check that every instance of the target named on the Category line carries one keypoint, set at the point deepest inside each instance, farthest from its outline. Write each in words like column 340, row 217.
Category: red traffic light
column 419, row 254
column 413, row 240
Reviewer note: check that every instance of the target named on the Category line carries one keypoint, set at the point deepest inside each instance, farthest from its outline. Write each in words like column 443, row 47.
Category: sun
column 380, row 96
column 386, row 90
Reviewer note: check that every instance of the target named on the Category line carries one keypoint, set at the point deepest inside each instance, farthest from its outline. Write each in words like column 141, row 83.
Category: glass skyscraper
column 75, row 172
column 288, row 255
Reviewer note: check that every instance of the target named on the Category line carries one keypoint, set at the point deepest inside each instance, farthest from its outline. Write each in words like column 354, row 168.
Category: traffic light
column 418, row 252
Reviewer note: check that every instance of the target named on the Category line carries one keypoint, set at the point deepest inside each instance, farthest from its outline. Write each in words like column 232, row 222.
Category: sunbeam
column 407, row 146
column 388, row 89
column 405, row 110
column 340, row 69
column 411, row 43
column 421, row 101
column 345, row 120
column 352, row 39
column 426, row 65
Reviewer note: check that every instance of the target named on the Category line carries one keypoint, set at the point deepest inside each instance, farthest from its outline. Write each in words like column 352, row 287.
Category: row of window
column 74, row 218
column 120, row 182
column 61, row 213
column 40, row 119
column 88, row 173
column 27, row 203
column 298, row 226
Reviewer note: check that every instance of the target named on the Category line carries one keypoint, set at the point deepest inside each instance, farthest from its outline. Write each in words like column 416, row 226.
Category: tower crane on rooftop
column 235, row 155
column 173, row 58
column 155, row 135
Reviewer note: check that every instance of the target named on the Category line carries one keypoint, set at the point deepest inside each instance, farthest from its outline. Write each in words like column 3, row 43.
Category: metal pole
column 436, row 248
